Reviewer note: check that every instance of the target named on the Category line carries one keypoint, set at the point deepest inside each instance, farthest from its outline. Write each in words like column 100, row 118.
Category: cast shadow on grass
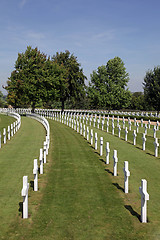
column 102, row 160
column 32, row 184
column 107, row 170
column 134, row 213
column 21, row 208
column 118, row 186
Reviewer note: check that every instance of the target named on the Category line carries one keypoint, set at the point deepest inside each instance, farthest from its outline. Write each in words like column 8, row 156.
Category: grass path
column 78, row 200
column 16, row 160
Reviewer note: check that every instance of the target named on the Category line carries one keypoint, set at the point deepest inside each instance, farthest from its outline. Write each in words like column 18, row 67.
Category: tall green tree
column 151, row 87
column 35, row 79
column 137, row 101
column 72, row 88
column 108, row 86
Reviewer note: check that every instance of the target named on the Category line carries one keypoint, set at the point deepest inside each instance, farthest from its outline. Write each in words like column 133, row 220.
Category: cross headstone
column 149, row 124
column 101, row 146
column 11, row 130
column 87, row 133
column 119, row 131
column 24, row 194
column 107, row 126
column 135, row 122
column 41, row 160
column 130, row 124
column 134, row 137
column 4, row 135
column 126, row 176
column 35, row 172
column 126, row 132
column 94, row 122
column 156, row 145
column 141, row 122
column 117, row 121
column 107, row 152
column 96, row 139
column 84, row 131
column 112, row 128
column 91, row 136
column 154, row 131
column 115, row 158
column 102, row 124
column 144, row 141
column 44, row 151
column 145, row 128
column 144, row 199
column 9, row 133
column 137, row 127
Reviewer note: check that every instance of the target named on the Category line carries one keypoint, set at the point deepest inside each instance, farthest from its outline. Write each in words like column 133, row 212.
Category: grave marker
column 35, row 172
column 126, row 176
column 107, row 152
column 101, row 146
column 24, row 194
column 144, row 199
column 115, row 162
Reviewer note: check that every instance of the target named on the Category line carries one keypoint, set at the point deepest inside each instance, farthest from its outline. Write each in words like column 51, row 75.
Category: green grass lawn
column 78, row 197
column 5, row 121
column 16, row 160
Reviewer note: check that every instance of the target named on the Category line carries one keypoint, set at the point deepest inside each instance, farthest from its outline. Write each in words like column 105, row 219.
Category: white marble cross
column 156, row 145
column 35, row 172
column 126, row 132
column 87, row 133
column 77, row 126
column 145, row 128
column 134, row 137
column 144, row 141
column 91, row 136
column 157, row 125
column 144, row 199
column 130, row 124
column 123, row 123
column 135, row 122
column 107, row 152
column 102, row 124
column 115, row 158
column 84, row 131
column 149, row 124
column 24, row 194
column 44, row 151
column 137, row 127
column 117, row 121
column 119, row 131
column 90, row 121
column 11, row 130
column 96, row 139
column 126, row 176
column 107, row 125
column 9, row 133
column 154, row 131
column 101, row 146
column 112, row 128
column 41, row 160
column 4, row 135
column 141, row 122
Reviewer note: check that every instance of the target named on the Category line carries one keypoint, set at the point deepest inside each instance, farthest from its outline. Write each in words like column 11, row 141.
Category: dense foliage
column 108, row 86
column 151, row 86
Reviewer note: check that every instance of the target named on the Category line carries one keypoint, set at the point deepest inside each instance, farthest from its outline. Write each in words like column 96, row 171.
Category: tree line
column 42, row 81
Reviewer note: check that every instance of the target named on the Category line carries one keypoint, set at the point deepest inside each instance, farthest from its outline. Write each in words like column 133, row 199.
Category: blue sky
column 94, row 31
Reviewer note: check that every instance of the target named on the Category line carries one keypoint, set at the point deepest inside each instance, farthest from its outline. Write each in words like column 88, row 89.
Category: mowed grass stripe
column 5, row 121
column 16, row 160
column 79, row 200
